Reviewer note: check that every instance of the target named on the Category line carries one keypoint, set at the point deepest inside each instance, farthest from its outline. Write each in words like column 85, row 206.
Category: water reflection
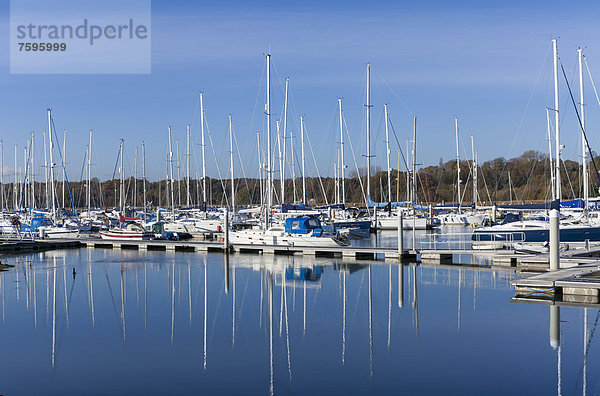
column 353, row 333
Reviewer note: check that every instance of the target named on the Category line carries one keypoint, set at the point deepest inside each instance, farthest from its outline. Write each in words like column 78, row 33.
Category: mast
column 187, row 167
column 293, row 164
column 45, row 174
column 280, row 156
column 552, row 179
column 89, row 175
column 122, row 182
column 135, row 157
column 15, row 183
column 368, row 106
column 203, row 151
column 64, row 162
column 285, row 105
column 144, row 175
column 51, row 164
column 172, row 186
column 557, row 154
column 414, row 175
column 457, row 164
column 269, row 170
column 408, row 192
column 302, row 159
column 260, row 171
column 32, row 170
column 387, row 149
column 586, row 193
column 178, row 175
column 342, row 166
column 231, row 161
column 474, row 173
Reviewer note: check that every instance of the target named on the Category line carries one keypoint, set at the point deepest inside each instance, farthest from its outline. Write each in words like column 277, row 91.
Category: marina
column 316, row 198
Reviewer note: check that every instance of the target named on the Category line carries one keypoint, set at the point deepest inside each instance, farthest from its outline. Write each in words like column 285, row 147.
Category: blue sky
column 489, row 63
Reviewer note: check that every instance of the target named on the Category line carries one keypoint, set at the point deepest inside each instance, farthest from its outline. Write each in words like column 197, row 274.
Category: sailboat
column 571, row 230
column 132, row 231
column 297, row 231
column 389, row 220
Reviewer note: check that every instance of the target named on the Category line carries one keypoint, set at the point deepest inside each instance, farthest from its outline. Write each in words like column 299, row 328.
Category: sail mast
column 285, row 106
column 144, row 176
column 187, row 167
column 586, row 193
column 457, row 165
column 558, row 194
column 302, row 158
column 51, row 164
column 387, row 150
column 231, row 160
column 260, row 170
column 474, row 165
column 32, row 170
column 368, row 106
column 89, row 175
column 269, row 170
column 122, row 182
column 342, row 166
column 172, row 184
column 178, row 175
column 64, row 161
column 203, row 151
column 135, row 178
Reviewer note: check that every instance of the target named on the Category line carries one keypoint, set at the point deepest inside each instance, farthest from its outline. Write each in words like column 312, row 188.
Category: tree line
column 524, row 179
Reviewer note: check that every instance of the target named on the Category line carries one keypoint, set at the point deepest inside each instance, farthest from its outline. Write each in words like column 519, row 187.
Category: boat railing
column 470, row 241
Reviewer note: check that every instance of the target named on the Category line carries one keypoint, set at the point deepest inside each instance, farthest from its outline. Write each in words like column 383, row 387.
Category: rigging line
column 392, row 90
column 423, row 188
column 212, row 146
column 527, row 106
column 580, row 123
column 108, row 194
column 316, row 167
column 591, row 79
column 250, row 127
column 362, row 188
column 485, row 184
column 64, row 172
column 569, row 179
column 399, row 146
column 240, row 159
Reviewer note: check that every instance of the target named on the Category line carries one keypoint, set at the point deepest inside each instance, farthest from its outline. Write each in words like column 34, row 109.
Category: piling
column 375, row 215
column 400, row 235
column 554, row 240
column 554, row 326
column 226, row 231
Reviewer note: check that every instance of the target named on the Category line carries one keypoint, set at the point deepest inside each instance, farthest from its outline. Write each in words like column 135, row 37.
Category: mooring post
column 375, row 215
column 400, row 236
column 226, row 231
column 554, row 326
column 554, row 240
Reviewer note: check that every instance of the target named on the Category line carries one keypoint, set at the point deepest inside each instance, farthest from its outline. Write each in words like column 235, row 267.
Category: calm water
column 180, row 323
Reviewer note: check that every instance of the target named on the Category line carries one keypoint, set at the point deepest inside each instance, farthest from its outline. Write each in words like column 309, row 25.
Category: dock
column 368, row 253
column 17, row 246
column 577, row 284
